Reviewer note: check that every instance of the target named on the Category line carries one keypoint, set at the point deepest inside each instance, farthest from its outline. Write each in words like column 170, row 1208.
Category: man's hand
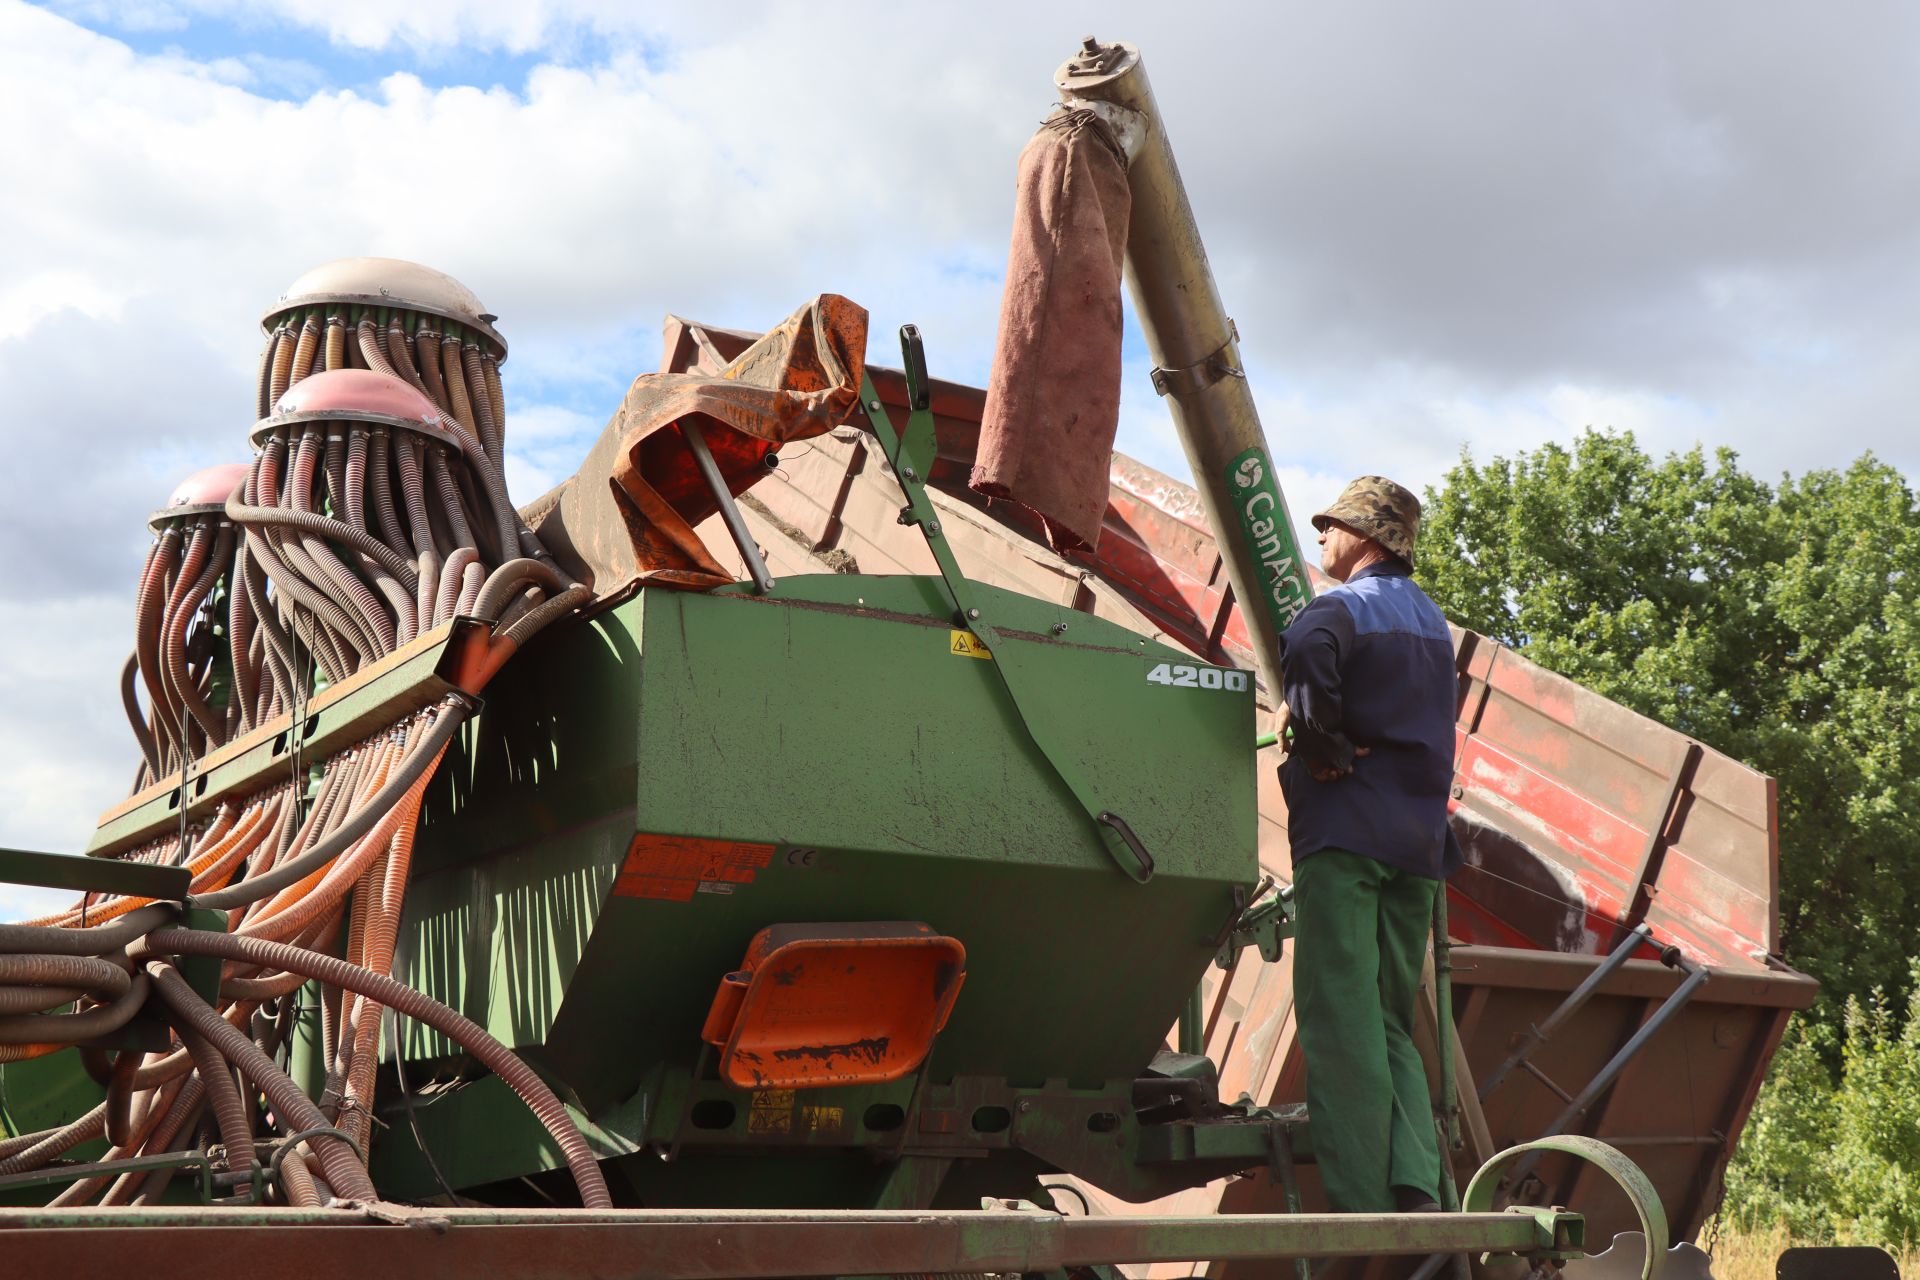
column 1280, row 729
column 1327, row 773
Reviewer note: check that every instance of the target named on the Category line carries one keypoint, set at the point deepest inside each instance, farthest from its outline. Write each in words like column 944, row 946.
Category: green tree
column 1774, row 623
column 1837, row 1160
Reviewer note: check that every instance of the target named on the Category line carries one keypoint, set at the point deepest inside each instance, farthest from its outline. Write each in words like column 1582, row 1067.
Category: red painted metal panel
column 1563, row 799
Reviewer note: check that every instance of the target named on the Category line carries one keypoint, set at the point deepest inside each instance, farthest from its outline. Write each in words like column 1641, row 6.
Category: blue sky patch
column 291, row 63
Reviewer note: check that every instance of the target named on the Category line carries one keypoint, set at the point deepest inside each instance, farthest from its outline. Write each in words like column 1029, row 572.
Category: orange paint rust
column 671, row 868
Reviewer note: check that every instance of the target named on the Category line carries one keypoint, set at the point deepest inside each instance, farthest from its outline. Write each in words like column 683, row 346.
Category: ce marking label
column 802, row 857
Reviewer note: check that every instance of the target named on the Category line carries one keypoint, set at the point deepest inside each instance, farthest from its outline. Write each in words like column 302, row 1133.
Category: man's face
column 1341, row 550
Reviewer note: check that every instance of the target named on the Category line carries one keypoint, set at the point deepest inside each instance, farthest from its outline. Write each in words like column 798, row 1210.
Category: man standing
column 1370, row 691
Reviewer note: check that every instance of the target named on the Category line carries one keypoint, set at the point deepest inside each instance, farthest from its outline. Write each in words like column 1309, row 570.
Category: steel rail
column 743, row 542
column 1540, row 1034
column 708, row 1245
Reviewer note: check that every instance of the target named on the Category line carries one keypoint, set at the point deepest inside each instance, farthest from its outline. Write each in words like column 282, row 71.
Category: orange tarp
column 628, row 514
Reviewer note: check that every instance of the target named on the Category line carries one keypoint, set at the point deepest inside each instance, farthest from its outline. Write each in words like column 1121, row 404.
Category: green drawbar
column 1360, row 939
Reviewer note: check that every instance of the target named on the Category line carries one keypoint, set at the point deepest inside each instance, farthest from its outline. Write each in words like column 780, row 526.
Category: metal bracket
column 58, row 1174
column 1266, row 925
column 911, row 451
column 1640, row 894
column 1195, row 378
column 1625, row 1174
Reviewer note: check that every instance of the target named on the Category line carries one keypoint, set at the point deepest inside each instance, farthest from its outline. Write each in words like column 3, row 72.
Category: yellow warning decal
column 823, row 1120
column 965, row 644
column 763, row 1121
column 772, row 1111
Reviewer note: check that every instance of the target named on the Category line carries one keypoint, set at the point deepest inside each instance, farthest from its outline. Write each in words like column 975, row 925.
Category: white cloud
column 27, row 301
column 63, row 740
column 1485, row 225
column 518, row 26
column 125, row 15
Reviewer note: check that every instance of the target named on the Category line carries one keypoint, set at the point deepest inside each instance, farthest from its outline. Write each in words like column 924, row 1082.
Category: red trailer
column 1581, row 821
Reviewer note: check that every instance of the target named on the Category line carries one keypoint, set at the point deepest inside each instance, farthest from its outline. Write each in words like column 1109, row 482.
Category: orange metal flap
column 834, row 1004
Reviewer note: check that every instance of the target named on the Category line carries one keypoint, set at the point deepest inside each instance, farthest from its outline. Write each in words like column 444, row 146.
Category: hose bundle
column 179, row 655
column 375, row 510
column 374, row 516
column 403, row 321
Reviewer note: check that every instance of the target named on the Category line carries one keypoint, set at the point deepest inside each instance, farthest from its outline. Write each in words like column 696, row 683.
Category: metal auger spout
column 1195, row 351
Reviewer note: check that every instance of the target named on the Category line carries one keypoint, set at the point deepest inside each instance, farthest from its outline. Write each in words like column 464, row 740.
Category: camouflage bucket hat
column 1380, row 509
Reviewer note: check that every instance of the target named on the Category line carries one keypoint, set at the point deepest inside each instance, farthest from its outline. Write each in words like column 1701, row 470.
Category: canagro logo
column 1264, row 519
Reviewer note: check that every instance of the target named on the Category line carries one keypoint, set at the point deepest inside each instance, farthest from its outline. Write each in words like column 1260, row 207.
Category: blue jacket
column 1370, row 664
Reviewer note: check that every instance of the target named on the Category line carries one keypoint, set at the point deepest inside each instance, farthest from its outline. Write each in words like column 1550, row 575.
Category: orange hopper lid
column 834, row 1004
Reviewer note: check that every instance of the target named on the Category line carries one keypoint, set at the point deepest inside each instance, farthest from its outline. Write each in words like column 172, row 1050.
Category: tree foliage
column 1773, row 622
column 1837, row 1160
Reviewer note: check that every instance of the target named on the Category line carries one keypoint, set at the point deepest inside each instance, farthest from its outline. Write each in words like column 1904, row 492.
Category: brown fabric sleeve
column 1053, row 400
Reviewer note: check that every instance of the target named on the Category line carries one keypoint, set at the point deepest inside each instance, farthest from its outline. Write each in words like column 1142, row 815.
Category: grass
column 1750, row 1254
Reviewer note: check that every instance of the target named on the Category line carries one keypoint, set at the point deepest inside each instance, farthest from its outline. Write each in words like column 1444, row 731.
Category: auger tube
column 1195, row 351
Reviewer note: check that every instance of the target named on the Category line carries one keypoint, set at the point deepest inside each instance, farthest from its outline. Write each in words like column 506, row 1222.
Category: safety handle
column 913, row 354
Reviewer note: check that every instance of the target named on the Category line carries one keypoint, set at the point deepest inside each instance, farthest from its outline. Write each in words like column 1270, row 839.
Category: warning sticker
column 674, row 868
column 823, row 1121
column 772, row 1111
column 965, row 644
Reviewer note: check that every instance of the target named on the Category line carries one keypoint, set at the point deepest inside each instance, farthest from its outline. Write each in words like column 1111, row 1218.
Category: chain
column 296, row 726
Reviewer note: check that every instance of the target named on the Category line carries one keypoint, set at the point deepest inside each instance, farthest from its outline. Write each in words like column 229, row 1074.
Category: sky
column 1480, row 225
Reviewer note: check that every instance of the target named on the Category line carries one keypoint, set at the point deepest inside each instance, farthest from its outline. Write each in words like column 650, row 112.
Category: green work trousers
column 1360, row 938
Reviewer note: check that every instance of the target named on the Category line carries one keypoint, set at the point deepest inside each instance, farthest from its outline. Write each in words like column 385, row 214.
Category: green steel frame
column 860, row 749
column 415, row 676
column 666, row 1245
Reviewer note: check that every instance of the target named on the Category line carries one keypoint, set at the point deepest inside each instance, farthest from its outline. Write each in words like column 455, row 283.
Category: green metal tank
column 836, row 752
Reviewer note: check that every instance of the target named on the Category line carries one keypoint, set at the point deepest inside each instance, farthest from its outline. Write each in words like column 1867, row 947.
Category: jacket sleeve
column 1312, row 653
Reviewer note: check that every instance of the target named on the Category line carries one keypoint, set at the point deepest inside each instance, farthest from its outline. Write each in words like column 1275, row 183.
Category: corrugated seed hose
column 463, row 1031
column 340, row 542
